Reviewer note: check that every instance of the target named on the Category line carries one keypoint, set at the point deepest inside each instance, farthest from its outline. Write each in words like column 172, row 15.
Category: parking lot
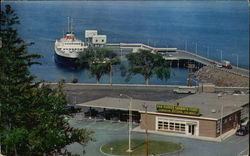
column 106, row 131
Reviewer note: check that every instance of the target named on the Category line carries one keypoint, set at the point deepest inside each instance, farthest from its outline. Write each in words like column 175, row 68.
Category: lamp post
column 121, row 52
column 221, row 115
column 186, row 45
column 207, row 50
column 130, row 122
column 237, row 56
column 221, row 53
column 146, row 125
column 196, row 48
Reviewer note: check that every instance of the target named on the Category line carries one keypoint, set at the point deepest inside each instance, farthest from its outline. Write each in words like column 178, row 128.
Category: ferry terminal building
column 194, row 115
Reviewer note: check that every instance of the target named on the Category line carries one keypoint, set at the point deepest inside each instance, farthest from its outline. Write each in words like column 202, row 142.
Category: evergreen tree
column 147, row 64
column 15, row 82
column 32, row 118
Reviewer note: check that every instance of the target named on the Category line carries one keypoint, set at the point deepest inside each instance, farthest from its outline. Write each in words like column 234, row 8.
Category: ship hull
column 66, row 61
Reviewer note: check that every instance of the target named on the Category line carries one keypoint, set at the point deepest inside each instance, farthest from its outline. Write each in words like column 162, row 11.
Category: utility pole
column 146, row 129
column 130, row 125
column 190, row 73
column 130, row 122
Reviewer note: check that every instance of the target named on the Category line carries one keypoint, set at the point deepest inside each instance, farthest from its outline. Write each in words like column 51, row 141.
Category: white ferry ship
column 68, row 48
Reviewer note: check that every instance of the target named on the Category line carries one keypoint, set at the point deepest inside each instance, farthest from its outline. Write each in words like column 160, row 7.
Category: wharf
column 177, row 56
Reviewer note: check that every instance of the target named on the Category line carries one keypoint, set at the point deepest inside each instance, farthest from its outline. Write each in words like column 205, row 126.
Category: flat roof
column 206, row 102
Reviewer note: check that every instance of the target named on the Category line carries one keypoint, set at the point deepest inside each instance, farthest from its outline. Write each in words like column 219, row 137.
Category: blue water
column 220, row 26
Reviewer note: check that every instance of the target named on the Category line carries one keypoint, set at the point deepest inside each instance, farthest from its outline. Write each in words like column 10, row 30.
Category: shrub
column 74, row 80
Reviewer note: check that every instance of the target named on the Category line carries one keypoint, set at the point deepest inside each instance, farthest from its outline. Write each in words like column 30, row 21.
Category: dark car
column 243, row 130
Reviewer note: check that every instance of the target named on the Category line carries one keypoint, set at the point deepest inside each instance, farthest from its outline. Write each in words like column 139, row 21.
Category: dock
column 177, row 56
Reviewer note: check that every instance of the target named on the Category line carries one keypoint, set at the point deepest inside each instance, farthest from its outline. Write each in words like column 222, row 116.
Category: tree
column 52, row 131
column 32, row 118
column 15, row 81
column 147, row 64
column 99, row 61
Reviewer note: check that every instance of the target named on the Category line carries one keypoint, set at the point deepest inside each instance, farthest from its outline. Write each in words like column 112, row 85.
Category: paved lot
column 83, row 93
column 106, row 131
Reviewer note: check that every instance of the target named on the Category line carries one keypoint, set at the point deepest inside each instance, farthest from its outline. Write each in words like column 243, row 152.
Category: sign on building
column 90, row 33
column 178, row 110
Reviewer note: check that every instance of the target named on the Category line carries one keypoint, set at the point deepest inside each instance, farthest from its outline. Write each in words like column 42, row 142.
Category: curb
column 163, row 154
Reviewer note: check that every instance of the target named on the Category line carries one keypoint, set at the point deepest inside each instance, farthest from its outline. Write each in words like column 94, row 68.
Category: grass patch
column 120, row 147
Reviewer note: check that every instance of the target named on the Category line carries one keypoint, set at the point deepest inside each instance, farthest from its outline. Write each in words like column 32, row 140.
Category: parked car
column 100, row 117
column 238, row 92
column 243, row 130
column 185, row 90
column 219, row 65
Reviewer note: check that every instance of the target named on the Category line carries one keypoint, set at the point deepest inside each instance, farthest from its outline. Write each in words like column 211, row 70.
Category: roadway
column 106, row 131
column 181, row 54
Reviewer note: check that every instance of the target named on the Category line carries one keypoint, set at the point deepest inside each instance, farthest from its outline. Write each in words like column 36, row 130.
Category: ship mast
column 68, row 24
column 71, row 26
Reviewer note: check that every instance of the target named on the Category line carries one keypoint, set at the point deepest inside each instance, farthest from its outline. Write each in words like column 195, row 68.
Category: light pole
column 130, row 122
column 121, row 52
column 186, row 45
column 221, row 55
column 196, row 48
column 207, row 51
column 221, row 115
column 237, row 56
column 146, row 127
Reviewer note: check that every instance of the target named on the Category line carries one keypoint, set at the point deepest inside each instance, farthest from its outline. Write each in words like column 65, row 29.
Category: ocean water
column 219, row 25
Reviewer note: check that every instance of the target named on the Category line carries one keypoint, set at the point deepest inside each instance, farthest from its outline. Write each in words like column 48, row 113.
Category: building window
column 172, row 125
column 102, row 40
column 177, row 127
column 230, row 118
column 182, row 127
column 160, row 125
column 218, row 125
column 165, row 125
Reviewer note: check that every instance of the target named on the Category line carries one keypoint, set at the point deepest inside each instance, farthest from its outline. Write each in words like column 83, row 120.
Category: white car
column 218, row 65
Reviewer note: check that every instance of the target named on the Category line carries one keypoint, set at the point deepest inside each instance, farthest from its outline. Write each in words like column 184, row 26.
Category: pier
column 177, row 56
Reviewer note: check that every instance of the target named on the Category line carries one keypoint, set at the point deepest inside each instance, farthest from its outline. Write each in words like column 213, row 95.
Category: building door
column 191, row 129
